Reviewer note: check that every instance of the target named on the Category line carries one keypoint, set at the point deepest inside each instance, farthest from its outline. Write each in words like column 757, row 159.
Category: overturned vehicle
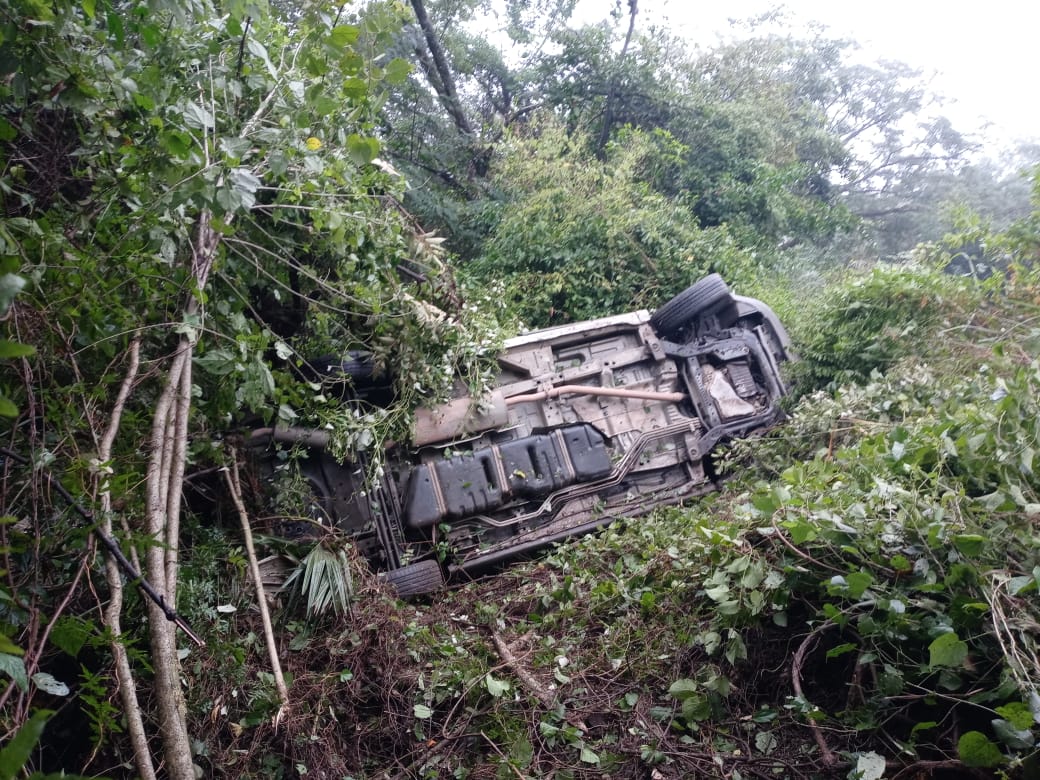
column 587, row 422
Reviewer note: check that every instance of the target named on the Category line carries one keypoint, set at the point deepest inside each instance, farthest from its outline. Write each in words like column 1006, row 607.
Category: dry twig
column 235, row 487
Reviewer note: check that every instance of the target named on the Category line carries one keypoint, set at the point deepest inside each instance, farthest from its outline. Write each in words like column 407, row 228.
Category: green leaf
column 7, row 131
column 344, row 35
column 16, row 753
column 521, row 752
column 362, row 150
column 114, row 22
column 765, row 742
column 1017, row 714
column 422, row 712
column 869, row 766
column 969, row 544
column 14, row 667
column 924, row 725
column 397, row 70
column 6, row 645
column 231, row 200
column 176, row 142
column 143, row 101
column 496, row 688
column 735, row 648
column 10, row 286
column 257, row 49
column 976, row 750
column 1014, row 738
column 900, row 563
column 49, row 684
column 12, row 349
column 801, row 532
column 1034, row 706
column 244, row 180
column 7, row 408
column 588, row 757
column 834, row 652
column 323, row 105
column 858, row 582
column 219, row 362
column 198, row 117
column 683, row 689
column 947, row 650
column 235, row 147
column 152, row 35
column 696, row 708
column 764, row 504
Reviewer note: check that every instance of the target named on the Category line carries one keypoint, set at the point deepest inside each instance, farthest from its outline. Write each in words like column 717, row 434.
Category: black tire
column 317, row 517
column 357, row 365
column 415, row 579
column 352, row 377
column 698, row 300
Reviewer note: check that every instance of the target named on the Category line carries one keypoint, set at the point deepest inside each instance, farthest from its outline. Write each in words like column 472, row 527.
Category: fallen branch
column 235, row 486
column 529, row 681
column 532, row 685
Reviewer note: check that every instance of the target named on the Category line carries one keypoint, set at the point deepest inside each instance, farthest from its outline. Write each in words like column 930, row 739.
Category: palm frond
column 325, row 581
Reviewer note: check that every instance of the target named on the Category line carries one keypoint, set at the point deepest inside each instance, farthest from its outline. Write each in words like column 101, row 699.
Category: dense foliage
column 198, row 200
column 182, row 182
column 576, row 237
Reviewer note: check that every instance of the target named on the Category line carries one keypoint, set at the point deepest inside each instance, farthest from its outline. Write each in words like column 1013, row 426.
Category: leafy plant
column 870, row 321
column 325, row 581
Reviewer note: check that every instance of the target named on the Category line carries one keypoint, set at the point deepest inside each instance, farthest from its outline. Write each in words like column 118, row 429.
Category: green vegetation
column 195, row 199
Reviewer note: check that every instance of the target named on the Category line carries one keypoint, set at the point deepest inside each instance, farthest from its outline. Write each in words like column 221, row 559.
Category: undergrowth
column 860, row 601
column 869, row 322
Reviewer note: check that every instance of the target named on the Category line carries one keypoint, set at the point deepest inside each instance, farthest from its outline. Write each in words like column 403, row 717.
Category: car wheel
column 315, row 520
column 699, row 299
column 415, row 579
column 356, row 364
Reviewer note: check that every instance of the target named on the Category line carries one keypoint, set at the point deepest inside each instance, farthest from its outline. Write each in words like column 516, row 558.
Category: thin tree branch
column 235, row 487
column 828, row 755
column 113, row 611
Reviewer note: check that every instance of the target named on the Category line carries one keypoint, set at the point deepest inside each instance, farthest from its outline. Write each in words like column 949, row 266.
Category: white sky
column 983, row 56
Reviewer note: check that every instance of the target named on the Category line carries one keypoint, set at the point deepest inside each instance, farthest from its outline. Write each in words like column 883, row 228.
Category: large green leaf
column 14, row 667
column 977, row 750
column 947, row 650
column 16, row 753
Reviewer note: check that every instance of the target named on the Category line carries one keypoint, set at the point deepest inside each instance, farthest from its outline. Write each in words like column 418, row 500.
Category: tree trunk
column 444, row 84
column 114, row 577
column 169, row 696
column 612, row 89
column 164, row 486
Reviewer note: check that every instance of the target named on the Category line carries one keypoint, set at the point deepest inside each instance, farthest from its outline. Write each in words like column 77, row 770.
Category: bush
column 870, row 322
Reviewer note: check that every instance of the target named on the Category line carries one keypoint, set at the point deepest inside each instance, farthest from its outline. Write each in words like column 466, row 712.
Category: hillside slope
column 860, row 600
